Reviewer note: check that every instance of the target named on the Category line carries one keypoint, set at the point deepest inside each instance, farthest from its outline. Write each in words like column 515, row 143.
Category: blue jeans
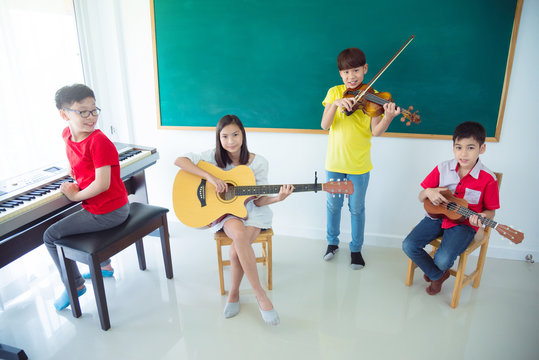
column 356, row 205
column 454, row 241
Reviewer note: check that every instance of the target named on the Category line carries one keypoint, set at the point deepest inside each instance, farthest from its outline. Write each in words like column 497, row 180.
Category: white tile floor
column 327, row 310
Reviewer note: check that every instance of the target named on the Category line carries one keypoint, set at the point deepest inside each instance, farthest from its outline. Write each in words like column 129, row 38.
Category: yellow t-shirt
column 349, row 144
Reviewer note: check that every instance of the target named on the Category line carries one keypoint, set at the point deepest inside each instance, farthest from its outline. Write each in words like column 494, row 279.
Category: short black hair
column 470, row 129
column 351, row 58
column 70, row 94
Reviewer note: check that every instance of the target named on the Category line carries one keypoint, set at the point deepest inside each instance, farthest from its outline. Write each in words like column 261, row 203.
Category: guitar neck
column 485, row 220
column 254, row 190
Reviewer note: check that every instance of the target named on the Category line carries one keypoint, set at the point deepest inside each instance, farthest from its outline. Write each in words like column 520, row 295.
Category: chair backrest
column 481, row 233
column 498, row 178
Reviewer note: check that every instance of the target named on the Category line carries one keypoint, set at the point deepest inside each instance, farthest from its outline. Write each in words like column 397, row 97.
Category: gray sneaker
column 330, row 252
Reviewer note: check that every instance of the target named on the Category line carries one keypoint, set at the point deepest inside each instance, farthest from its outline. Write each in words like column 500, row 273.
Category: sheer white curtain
column 39, row 53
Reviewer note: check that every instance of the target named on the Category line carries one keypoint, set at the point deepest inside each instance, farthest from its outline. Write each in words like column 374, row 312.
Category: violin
column 371, row 103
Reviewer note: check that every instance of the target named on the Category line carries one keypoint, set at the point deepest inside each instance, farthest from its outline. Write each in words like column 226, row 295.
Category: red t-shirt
column 479, row 187
column 84, row 157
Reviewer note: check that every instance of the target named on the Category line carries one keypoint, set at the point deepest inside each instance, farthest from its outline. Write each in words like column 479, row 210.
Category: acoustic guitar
column 197, row 203
column 456, row 209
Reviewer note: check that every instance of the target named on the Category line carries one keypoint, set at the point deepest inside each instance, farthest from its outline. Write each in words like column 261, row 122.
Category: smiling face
column 231, row 139
column 467, row 151
column 353, row 78
column 80, row 127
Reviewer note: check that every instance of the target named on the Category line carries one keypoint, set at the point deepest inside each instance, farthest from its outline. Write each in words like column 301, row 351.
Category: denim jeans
column 356, row 205
column 454, row 241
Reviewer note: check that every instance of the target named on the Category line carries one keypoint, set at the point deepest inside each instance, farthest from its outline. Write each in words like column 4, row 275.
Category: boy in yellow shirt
column 348, row 153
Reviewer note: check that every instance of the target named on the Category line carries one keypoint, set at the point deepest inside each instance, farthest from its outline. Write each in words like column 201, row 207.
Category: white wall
column 123, row 29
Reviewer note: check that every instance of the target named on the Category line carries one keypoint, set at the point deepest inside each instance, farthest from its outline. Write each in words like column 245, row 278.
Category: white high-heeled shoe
column 231, row 309
column 270, row 316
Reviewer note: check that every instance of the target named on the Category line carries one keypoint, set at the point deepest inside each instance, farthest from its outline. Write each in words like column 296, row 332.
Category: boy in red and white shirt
column 466, row 177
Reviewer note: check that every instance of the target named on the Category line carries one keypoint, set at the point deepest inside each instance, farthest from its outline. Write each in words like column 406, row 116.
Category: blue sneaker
column 63, row 301
column 105, row 273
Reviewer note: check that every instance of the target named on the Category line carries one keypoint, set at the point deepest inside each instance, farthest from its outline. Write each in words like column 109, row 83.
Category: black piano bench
column 93, row 248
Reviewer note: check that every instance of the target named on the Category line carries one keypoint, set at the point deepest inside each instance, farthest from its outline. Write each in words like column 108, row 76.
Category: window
column 39, row 53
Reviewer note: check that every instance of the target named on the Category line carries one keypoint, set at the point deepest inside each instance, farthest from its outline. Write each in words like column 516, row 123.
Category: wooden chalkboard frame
column 499, row 121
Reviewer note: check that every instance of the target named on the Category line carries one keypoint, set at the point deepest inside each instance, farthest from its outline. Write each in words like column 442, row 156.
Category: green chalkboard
column 272, row 62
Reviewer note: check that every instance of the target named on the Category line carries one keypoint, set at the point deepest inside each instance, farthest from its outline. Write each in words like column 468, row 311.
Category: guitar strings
column 271, row 189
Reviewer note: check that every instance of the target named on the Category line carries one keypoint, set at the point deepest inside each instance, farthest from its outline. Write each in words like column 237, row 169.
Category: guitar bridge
column 201, row 193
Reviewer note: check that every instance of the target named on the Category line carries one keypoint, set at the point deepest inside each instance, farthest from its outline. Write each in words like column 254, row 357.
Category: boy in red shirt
column 466, row 177
column 95, row 166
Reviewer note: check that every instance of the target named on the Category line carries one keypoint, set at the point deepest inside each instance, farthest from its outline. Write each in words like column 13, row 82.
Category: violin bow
column 369, row 85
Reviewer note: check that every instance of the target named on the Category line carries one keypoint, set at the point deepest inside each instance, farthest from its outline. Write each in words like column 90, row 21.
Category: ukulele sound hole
column 228, row 195
column 452, row 206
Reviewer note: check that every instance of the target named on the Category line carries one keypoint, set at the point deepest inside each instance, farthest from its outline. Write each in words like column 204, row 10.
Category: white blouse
column 257, row 216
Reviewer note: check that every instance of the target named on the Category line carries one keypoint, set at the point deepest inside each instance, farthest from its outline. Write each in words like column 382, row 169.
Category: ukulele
column 456, row 209
column 197, row 203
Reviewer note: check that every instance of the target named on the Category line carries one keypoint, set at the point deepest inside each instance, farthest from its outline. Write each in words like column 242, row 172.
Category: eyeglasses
column 86, row 113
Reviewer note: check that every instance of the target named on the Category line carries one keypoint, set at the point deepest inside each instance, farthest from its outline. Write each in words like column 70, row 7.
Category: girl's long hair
column 221, row 155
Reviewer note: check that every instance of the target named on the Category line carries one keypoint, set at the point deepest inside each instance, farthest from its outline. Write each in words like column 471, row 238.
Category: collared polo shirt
column 479, row 187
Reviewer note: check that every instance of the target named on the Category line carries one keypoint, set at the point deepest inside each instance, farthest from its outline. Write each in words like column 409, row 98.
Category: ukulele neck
column 485, row 220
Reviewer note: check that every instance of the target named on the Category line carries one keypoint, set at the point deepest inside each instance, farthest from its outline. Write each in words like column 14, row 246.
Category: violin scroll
column 411, row 116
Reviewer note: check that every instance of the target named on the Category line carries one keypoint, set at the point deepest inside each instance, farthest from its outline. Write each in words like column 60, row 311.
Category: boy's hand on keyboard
column 70, row 190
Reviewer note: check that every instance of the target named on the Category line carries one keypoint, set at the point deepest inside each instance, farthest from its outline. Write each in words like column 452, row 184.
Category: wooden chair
column 264, row 239
column 93, row 248
column 462, row 279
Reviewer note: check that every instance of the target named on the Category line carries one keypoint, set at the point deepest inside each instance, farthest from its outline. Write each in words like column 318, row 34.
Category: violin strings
column 381, row 101
column 376, row 99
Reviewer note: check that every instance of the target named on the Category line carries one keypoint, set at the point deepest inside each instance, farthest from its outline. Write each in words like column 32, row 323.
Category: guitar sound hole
column 228, row 195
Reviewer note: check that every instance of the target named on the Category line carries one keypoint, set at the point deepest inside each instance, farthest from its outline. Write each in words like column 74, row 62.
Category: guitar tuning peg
column 333, row 195
column 331, row 179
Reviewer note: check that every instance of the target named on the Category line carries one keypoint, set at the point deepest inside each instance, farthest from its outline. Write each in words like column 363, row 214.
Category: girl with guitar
column 467, row 178
column 231, row 151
